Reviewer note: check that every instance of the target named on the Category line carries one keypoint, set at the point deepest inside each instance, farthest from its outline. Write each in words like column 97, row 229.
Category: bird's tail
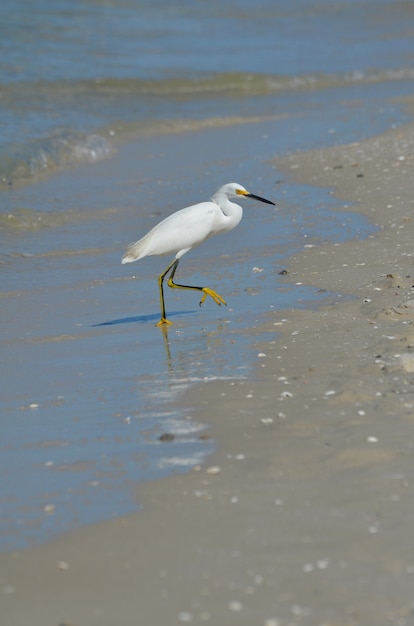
column 135, row 251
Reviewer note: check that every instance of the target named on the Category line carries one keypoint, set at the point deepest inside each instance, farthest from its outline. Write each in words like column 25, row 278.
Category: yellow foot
column 209, row 292
column 163, row 321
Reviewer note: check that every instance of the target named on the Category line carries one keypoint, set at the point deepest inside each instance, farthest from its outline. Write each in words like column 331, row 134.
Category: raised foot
column 209, row 292
column 163, row 321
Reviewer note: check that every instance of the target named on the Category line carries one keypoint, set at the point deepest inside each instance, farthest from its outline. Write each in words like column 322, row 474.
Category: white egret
column 188, row 228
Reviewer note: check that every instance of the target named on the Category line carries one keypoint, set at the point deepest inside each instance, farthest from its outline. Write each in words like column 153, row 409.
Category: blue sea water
column 77, row 75
column 97, row 101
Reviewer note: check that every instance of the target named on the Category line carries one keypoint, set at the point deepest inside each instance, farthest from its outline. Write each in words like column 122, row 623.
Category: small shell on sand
column 214, row 469
column 407, row 361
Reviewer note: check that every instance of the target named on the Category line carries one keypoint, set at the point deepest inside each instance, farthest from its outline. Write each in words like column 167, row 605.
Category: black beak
column 251, row 195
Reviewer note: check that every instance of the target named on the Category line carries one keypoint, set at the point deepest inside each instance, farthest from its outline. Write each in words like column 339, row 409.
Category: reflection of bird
column 186, row 229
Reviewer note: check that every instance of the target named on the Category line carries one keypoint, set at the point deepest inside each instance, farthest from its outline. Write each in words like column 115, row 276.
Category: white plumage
column 188, row 228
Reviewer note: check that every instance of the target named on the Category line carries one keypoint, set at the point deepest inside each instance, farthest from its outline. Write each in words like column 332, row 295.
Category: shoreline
column 102, row 144
column 304, row 512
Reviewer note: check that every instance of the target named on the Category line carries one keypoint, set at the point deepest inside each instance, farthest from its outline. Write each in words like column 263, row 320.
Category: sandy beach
column 304, row 514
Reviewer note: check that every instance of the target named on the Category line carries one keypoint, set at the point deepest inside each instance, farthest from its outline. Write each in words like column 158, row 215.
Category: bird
column 187, row 228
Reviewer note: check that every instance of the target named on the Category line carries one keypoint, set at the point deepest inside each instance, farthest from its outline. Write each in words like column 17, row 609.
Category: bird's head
column 234, row 190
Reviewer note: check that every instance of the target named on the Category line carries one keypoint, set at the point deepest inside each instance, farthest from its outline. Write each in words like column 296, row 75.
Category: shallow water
column 89, row 384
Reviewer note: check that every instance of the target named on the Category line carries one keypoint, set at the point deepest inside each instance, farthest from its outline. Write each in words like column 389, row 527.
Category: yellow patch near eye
column 241, row 192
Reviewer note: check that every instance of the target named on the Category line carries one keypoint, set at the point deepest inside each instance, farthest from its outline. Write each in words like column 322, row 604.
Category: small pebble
column 214, row 469
column 267, row 420
column 407, row 361
column 300, row 611
column 63, row 566
column 235, row 605
column 49, row 508
column 33, row 405
column 372, row 439
column 185, row 616
column 308, row 567
column 166, row 437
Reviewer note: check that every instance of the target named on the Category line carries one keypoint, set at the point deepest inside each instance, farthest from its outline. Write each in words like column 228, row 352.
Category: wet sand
column 304, row 514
